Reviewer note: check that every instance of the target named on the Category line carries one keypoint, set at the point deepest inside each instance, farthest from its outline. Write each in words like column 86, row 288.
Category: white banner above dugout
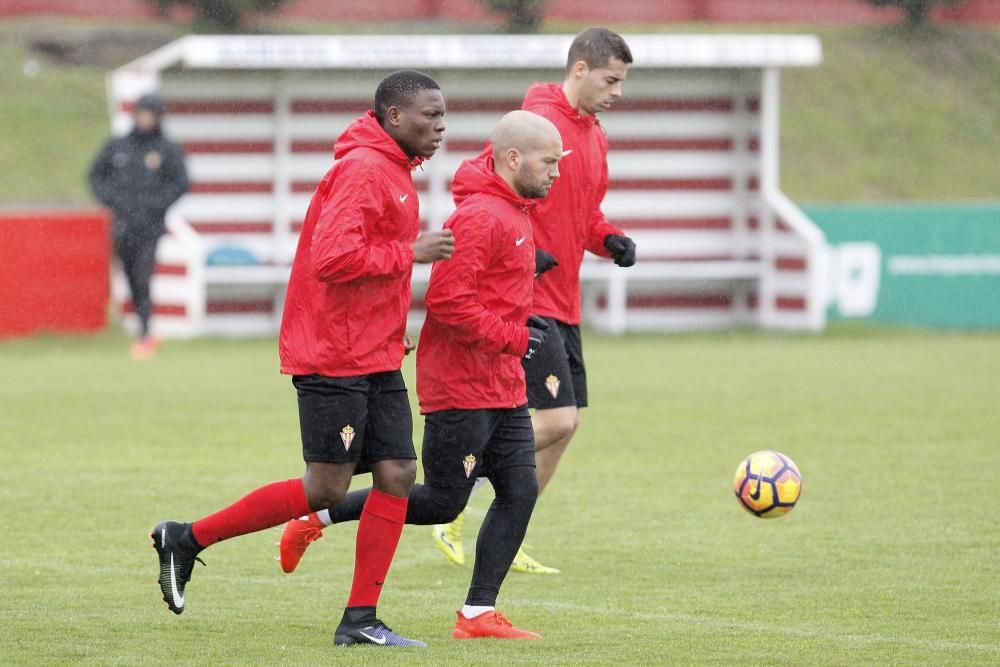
column 472, row 51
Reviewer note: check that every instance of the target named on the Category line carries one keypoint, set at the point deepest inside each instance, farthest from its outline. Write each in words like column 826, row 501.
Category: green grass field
column 890, row 557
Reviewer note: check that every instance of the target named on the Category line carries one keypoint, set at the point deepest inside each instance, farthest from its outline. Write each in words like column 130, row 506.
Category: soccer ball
column 767, row 484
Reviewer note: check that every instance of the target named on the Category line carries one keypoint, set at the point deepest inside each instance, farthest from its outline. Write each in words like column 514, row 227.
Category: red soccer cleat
column 296, row 538
column 144, row 348
column 491, row 624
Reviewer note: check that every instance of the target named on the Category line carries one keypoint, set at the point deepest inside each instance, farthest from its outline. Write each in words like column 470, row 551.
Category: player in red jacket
column 342, row 340
column 470, row 379
column 565, row 224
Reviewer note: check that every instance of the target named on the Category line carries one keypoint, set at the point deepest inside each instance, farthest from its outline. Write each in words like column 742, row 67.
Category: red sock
column 265, row 507
column 378, row 535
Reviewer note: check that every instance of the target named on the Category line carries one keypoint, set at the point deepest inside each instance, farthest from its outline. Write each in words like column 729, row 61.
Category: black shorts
column 362, row 419
column 556, row 376
column 461, row 445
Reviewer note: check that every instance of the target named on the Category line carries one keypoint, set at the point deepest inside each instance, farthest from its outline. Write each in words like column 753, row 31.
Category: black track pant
column 138, row 257
column 500, row 536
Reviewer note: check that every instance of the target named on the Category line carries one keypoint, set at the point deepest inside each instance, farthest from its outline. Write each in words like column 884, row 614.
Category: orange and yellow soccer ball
column 767, row 484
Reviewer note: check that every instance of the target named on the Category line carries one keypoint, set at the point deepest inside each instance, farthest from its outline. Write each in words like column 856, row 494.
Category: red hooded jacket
column 349, row 290
column 472, row 341
column 569, row 220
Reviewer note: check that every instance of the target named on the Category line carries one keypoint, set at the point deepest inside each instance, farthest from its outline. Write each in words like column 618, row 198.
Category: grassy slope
column 53, row 122
column 889, row 559
column 895, row 114
column 889, row 115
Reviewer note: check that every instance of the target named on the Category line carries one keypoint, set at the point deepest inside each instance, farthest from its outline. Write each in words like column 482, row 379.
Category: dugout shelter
column 693, row 165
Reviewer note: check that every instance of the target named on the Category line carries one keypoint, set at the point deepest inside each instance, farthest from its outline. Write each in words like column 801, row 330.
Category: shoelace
column 310, row 534
column 502, row 620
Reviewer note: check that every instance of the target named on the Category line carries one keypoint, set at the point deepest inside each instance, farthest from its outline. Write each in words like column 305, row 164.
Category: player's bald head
column 526, row 153
column 524, row 131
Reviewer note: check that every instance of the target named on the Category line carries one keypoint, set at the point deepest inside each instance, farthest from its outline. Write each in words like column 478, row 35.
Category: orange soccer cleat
column 144, row 348
column 491, row 624
column 296, row 538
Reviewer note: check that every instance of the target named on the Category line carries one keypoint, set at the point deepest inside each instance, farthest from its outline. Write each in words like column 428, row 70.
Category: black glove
column 622, row 249
column 537, row 328
column 544, row 261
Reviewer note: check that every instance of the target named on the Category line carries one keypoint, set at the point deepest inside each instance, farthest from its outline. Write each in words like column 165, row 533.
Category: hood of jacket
column 367, row 132
column 552, row 94
column 476, row 176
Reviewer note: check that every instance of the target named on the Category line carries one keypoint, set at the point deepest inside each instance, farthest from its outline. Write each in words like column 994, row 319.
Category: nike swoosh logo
column 756, row 494
column 402, row 198
column 178, row 598
column 520, row 240
column 567, row 152
column 380, row 640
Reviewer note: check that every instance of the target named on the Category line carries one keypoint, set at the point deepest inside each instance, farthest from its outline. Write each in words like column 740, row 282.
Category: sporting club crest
column 469, row 462
column 152, row 160
column 347, row 436
column 552, row 384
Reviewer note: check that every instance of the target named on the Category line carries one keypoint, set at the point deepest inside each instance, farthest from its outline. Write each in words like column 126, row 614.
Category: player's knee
column 564, row 427
column 324, row 496
column 518, row 489
column 448, row 503
column 326, row 484
column 451, row 511
column 395, row 477
column 455, row 502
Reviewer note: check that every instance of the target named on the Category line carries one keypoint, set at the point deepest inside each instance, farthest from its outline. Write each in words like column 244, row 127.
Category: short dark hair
column 596, row 47
column 398, row 89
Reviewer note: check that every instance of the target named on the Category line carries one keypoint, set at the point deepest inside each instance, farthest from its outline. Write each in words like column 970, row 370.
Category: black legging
column 500, row 536
column 138, row 256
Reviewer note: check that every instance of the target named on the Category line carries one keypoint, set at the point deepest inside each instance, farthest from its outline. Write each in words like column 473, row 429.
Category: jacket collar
column 552, row 94
column 367, row 132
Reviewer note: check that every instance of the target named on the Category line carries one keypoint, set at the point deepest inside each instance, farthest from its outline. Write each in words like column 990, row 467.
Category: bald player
column 470, row 378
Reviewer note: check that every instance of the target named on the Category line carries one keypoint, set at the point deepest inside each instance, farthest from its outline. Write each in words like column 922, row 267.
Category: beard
column 529, row 189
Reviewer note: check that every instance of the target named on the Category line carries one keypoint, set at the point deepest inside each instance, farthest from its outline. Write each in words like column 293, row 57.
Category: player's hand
column 432, row 246
column 408, row 344
column 537, row 330
column 544, row 261
column 622, row 249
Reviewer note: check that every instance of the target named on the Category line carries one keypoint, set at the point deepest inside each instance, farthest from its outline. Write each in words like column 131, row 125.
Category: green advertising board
column 931, row 265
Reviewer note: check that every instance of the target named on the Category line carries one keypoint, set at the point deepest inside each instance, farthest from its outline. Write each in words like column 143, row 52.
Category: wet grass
column 890, row 557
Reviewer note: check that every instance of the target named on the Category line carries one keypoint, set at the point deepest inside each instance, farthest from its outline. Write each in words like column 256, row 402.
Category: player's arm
column 603, row 238
column 452, row 294
column 341, row 251
column 99, row 176
column 598, row 227
column 173, row 177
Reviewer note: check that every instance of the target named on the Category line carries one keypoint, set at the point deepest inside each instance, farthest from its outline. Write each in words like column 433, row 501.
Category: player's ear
column 579, row 69
column 393, row 116
column 513, row 158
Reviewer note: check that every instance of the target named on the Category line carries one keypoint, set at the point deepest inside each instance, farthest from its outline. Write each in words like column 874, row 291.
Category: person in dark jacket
column 139, row 176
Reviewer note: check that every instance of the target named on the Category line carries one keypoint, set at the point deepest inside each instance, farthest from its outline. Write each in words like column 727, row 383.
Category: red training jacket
column 569, row 220
column 349, row 291
column 471, row 344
